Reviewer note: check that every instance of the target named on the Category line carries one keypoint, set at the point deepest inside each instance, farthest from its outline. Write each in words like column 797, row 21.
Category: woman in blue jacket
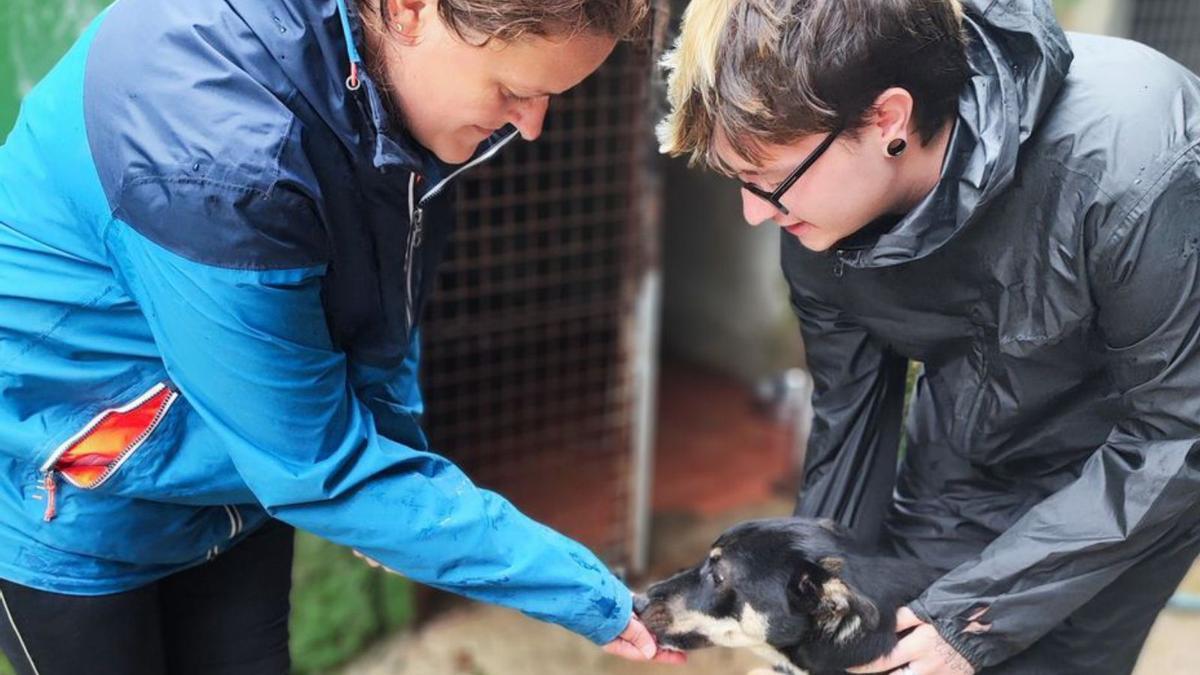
column 218, row 224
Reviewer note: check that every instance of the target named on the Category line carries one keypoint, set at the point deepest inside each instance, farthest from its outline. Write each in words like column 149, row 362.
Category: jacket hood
column 1018, row 58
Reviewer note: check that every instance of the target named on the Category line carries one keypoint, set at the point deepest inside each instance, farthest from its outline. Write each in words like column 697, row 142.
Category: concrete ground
column 717, row 462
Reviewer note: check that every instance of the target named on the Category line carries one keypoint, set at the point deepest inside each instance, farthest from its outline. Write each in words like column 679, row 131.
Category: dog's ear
column 804, row 587
column 839, row 611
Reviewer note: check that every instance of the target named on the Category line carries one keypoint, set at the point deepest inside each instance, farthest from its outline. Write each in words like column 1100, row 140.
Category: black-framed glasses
column 775, row 195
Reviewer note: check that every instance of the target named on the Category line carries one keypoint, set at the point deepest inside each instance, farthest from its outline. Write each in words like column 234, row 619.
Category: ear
column 892, row 117
column 843, row 613
column 804, row 587
column 408, row 18
column 820, row 591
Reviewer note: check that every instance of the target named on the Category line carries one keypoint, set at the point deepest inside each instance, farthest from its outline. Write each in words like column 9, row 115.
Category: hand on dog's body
column 800, row 592
column 922, row 651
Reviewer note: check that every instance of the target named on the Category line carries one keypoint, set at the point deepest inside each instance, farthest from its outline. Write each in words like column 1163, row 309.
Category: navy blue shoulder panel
column 189, row 126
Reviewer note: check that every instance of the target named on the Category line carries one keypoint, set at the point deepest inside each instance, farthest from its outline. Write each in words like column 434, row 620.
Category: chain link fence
column 533, row 339
column 1170, row 26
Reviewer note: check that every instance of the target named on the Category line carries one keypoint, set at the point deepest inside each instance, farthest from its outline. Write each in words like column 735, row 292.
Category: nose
column 640, row 603
column 529, row 115
column 756, row 210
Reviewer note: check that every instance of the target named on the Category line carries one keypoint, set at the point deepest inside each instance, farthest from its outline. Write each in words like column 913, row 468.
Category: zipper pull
column 51, row 487
column 839, row 265
column 417, row 216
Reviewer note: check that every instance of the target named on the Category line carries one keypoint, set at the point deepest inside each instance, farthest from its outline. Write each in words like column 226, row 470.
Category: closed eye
column 716, row 576
column 517, row 99
column 762, row 181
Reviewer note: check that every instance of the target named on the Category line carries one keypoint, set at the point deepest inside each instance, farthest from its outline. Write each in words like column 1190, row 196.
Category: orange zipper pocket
column 91, row 456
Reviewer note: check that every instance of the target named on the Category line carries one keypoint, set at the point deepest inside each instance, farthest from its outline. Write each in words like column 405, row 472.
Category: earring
column 896, row 147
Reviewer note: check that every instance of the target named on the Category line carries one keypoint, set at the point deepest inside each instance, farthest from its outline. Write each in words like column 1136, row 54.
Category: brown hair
column 479, row 21
column 771, row 71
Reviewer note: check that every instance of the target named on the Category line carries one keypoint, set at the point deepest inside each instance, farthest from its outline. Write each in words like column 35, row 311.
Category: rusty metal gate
column 538, row 342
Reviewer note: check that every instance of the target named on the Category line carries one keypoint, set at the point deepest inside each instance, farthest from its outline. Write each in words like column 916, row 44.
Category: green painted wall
column 33, row 35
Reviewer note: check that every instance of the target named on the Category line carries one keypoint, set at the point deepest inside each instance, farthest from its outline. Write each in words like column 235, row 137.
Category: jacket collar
column 318, row 45
column 1018, row 58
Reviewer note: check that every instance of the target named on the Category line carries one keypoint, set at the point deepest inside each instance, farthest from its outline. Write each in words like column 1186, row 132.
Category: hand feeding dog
column 800, row 592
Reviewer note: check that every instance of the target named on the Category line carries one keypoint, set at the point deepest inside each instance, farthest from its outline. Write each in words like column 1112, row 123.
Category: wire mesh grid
column 1170, row 26
column 526, row 341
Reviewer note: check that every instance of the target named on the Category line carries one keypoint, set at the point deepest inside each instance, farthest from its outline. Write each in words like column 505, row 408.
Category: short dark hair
column 478, row 21
column 772, row 71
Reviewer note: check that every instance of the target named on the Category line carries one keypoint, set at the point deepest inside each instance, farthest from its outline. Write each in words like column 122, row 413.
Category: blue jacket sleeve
column 393, row 395
column 250, row 350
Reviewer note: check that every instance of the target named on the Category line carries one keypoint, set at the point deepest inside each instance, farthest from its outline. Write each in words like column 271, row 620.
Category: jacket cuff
column 970, row 647
column 613, row 622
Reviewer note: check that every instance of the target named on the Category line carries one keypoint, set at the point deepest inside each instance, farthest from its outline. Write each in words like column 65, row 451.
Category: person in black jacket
column 963, row 185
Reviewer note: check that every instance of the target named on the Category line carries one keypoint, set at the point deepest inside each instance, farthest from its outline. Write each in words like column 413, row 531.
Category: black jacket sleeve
column 1140, row 490
column 858, row 394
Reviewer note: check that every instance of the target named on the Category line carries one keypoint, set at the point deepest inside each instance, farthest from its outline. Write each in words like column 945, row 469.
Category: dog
column 800, row 592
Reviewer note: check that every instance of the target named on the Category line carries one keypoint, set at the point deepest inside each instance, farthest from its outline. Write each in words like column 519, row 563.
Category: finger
column 883, row 664
column 904, row 652
column 624, row 650
column 670, row 656
column 637, row 634
column 905, row 619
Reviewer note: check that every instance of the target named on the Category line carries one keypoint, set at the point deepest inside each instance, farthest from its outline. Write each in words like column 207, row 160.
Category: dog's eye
column 716, row 576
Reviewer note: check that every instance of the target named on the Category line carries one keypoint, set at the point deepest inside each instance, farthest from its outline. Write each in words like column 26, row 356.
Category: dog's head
column 775, row 583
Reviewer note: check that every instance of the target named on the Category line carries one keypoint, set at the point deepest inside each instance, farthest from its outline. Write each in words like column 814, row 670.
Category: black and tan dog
column 800, row 592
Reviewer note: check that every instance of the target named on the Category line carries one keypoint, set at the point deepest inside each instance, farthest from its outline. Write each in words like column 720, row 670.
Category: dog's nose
column 640, row 603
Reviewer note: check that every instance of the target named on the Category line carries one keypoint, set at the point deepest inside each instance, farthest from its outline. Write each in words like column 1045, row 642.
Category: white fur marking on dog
column 776, row 659
column 848, row 630
column 779, row 668
column 748, row 631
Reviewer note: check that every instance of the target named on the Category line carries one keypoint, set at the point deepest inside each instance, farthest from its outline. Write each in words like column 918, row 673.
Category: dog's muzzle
column 640, row 603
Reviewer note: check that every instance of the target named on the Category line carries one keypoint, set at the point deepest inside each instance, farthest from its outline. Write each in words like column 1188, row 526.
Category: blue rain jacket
column 212, row 256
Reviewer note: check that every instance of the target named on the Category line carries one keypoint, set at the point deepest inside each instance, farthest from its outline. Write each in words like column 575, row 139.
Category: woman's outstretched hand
column 637, row 644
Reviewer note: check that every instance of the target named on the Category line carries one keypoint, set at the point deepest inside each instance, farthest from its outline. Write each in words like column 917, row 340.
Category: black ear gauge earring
column 896, row 147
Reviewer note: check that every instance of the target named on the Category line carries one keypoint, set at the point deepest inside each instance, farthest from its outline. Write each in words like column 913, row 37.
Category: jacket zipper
column 51, row 487
column 50, row 484
column 235, row 520
column 236, row 525
column 839, row 264
column 416, row 214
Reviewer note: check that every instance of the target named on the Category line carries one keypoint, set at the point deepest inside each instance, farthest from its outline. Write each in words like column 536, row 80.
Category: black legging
column 225, row 617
